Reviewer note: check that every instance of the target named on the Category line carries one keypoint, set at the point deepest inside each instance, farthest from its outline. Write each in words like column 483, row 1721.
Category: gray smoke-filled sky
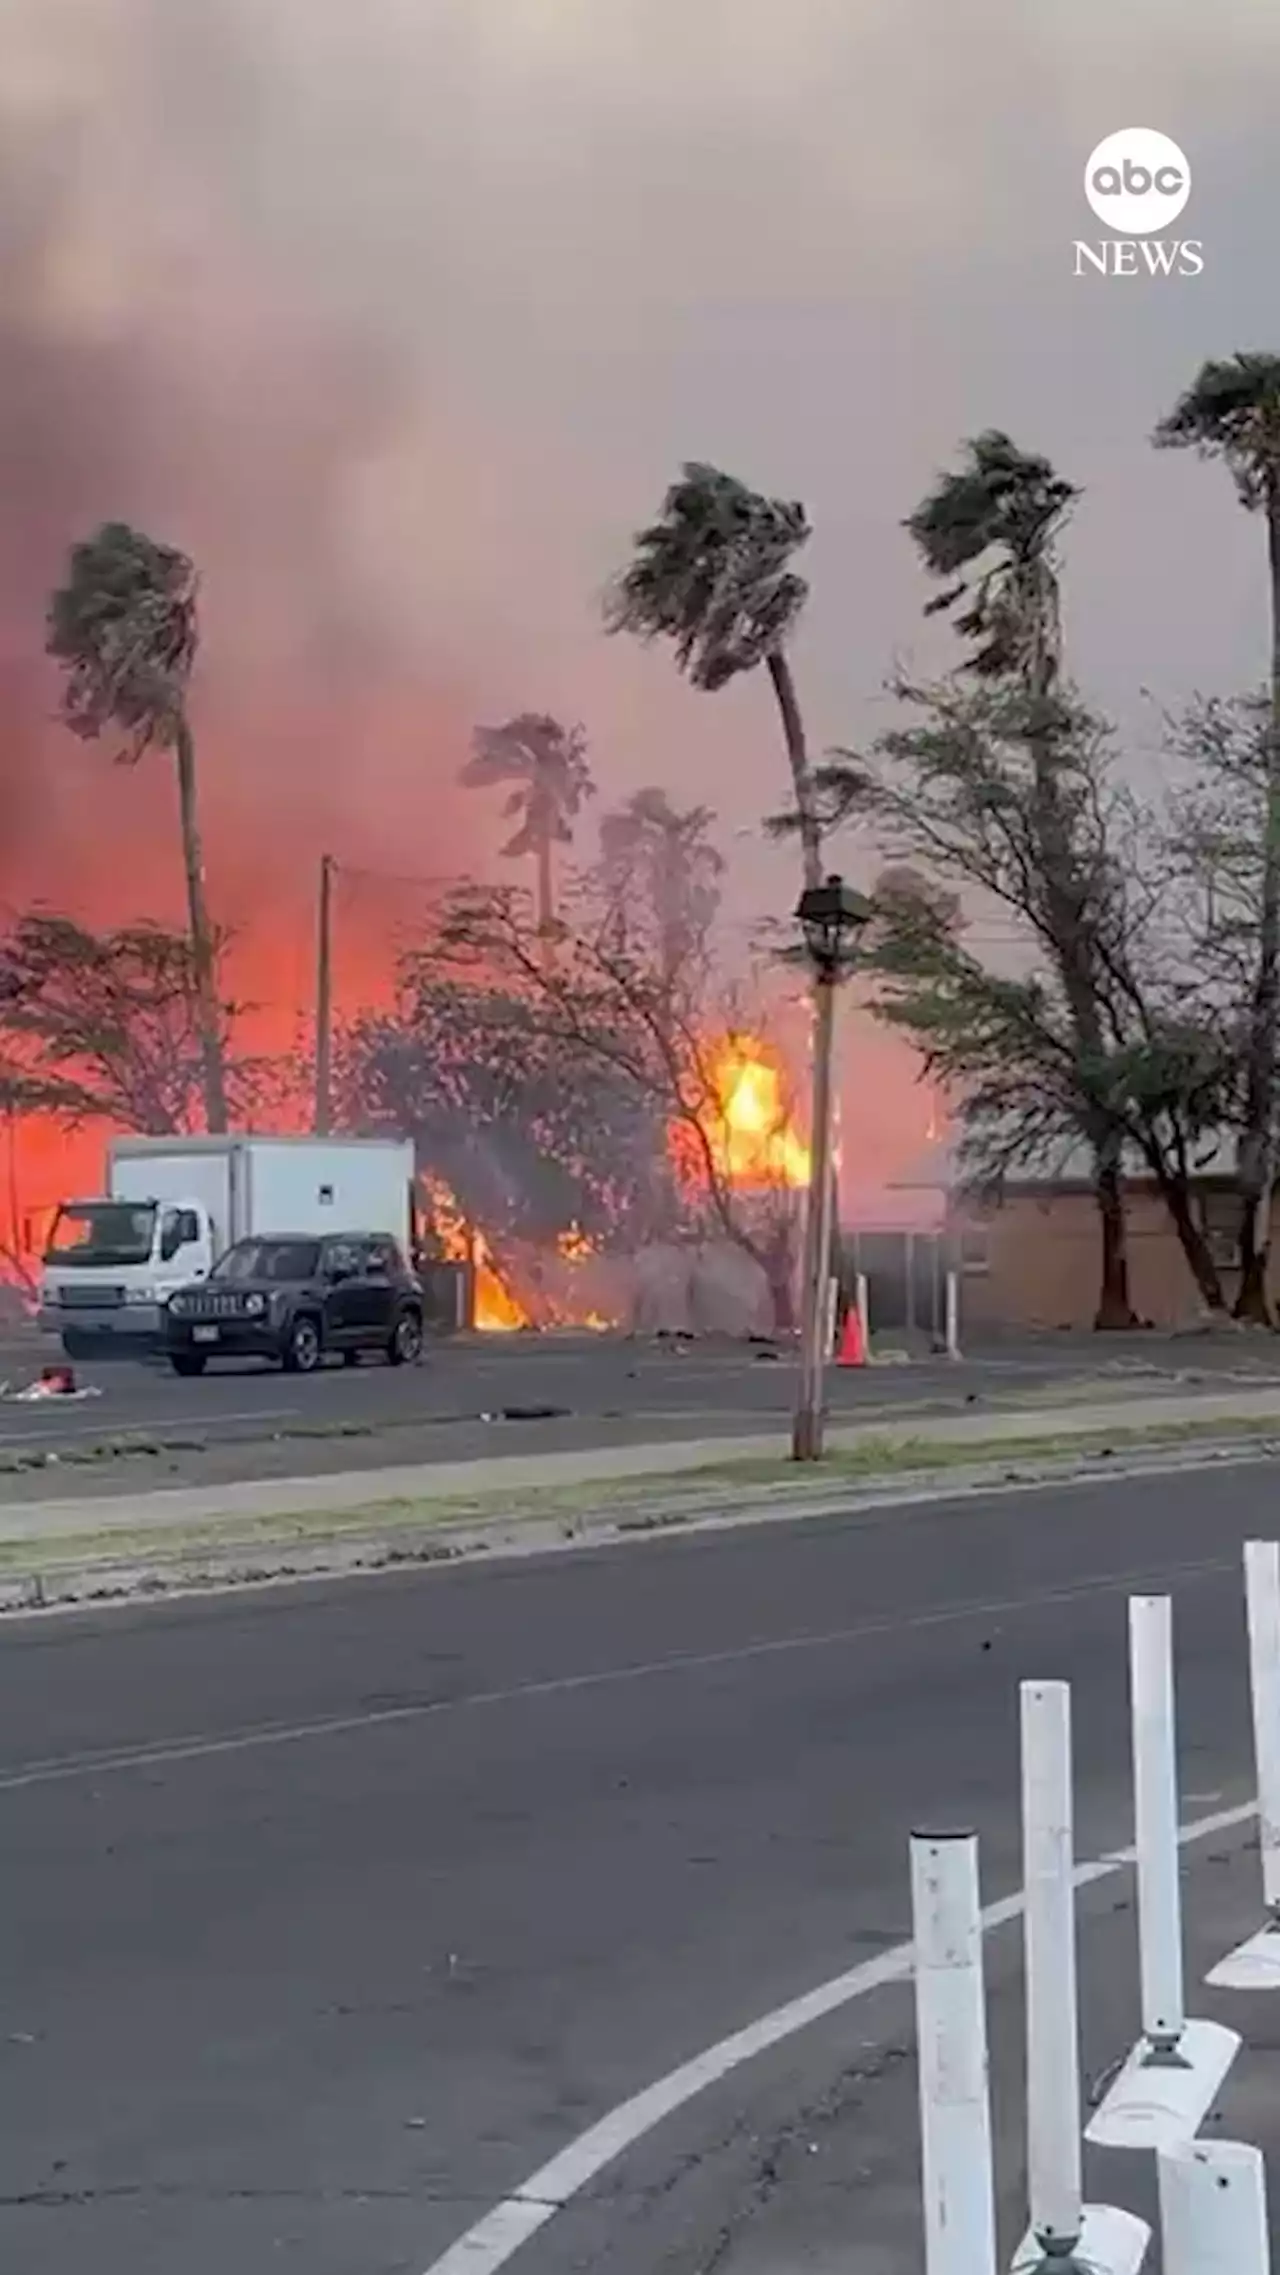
column 402, row 315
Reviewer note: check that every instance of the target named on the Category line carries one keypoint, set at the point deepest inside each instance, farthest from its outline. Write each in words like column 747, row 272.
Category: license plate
column 204, row 1334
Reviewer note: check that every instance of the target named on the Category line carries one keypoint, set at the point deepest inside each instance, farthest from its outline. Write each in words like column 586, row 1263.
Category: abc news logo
column 1138, row 183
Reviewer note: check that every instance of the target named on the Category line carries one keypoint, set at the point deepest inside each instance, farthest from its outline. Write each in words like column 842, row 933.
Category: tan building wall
column 1035, row 1260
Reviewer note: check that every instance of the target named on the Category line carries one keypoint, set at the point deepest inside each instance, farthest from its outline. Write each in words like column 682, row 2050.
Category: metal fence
column 905, row 1274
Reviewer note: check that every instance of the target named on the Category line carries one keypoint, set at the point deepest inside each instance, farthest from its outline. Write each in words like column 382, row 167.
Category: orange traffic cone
column 853, row 1343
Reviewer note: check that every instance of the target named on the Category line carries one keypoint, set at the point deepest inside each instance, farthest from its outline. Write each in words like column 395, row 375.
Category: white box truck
column 172, row 1206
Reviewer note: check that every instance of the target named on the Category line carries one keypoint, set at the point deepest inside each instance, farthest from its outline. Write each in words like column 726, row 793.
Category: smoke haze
column 399, row 317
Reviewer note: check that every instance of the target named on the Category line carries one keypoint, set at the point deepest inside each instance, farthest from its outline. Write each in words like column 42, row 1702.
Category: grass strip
column 648, row 1502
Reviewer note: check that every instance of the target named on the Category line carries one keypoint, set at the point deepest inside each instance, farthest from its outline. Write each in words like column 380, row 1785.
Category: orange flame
column 574, row 1245
column 496, row 1310
column 748, row 1128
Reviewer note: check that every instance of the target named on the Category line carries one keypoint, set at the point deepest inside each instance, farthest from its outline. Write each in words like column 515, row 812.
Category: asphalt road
column 282, row 1995
column 513, row 1395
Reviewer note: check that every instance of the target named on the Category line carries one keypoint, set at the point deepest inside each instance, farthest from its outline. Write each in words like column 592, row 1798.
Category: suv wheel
column 303, row 1348
column 405, row 1347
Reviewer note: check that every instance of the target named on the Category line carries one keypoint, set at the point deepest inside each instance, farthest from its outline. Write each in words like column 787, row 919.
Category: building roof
column 937, row 1169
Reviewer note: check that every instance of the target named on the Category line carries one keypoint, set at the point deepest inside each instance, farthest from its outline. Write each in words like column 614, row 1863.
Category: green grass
column 636, row 1504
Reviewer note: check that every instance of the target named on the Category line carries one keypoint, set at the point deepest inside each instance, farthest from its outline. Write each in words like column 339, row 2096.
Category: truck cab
column 111, row 1266
column 173, row 1206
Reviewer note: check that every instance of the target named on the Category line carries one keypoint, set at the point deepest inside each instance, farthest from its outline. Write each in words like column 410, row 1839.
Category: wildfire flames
column 753, row 1137
column 753, row 1143
column 754, row 1146
column 495, row 1309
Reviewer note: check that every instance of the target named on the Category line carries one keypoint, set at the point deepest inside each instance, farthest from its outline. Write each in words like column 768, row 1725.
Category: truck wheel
column 303, row 1349
column 405, row 1347
column 188, row 1362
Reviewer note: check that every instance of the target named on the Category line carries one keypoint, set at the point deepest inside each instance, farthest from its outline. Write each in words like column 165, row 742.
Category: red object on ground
column 60, row 1382
column 853, row 1344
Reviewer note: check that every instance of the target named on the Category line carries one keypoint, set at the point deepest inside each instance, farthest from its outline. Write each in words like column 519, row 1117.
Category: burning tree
column 529, row 1135
column 124, row 628
column 712, row 1102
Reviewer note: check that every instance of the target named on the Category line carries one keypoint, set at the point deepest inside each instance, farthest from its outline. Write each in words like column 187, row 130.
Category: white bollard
column 1155, row 1800
column 951, row 2025
column 1054, row 2150
column 862, row 1305
column 952, row 1314
column 1065, row 2236
column 1262, row 1593
column 1171, row 2078
column 1255, row 1964
column 1213, row 2210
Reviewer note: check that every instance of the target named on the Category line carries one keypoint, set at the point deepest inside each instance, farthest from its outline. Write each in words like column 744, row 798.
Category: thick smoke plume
column 161, row 362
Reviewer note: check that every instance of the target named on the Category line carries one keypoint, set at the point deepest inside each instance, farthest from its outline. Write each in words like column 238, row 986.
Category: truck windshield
column 269, row 1260
column 102, row 1232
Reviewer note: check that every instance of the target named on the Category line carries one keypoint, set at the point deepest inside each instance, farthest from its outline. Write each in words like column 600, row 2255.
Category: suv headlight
column 255, row 1305
column 138, row 1295
column 177, row 1304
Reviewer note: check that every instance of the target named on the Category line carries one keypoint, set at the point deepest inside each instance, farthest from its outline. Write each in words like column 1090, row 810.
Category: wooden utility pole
column 324, row 998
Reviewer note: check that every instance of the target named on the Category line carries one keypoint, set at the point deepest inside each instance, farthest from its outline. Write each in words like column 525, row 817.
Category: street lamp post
column 832, row 916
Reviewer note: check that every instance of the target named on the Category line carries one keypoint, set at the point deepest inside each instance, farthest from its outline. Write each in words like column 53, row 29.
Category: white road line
column 494, row 2239
column 67, row 1768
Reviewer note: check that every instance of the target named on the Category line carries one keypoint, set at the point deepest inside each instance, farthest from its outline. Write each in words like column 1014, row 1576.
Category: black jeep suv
column 295, row 1299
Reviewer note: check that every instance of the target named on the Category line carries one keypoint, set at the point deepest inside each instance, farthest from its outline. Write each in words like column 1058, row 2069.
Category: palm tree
column 713, row 575
column 125, row 630
column 547, row 764
column 1231, row 411
column 990, row 533
column 665, row 861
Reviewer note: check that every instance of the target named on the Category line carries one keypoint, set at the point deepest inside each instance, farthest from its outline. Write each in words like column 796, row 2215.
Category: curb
column 93, row 1580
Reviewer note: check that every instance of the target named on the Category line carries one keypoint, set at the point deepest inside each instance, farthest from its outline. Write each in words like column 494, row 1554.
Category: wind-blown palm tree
column 547, row 766
column 990, row 534
column 714, row 576
column 1231, row 411
column 124, row 628
column 664, row 861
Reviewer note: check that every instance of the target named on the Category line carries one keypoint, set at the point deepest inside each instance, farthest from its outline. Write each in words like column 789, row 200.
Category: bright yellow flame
column 753, row 1138
column 574, row 1246
column 496, row 1309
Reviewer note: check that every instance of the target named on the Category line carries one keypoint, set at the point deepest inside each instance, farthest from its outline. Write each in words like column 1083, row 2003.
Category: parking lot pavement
column 481, row 1396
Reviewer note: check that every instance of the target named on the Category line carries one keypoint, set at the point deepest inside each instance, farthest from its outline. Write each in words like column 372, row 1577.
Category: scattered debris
column 52, row 1382
column 529, row 1414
